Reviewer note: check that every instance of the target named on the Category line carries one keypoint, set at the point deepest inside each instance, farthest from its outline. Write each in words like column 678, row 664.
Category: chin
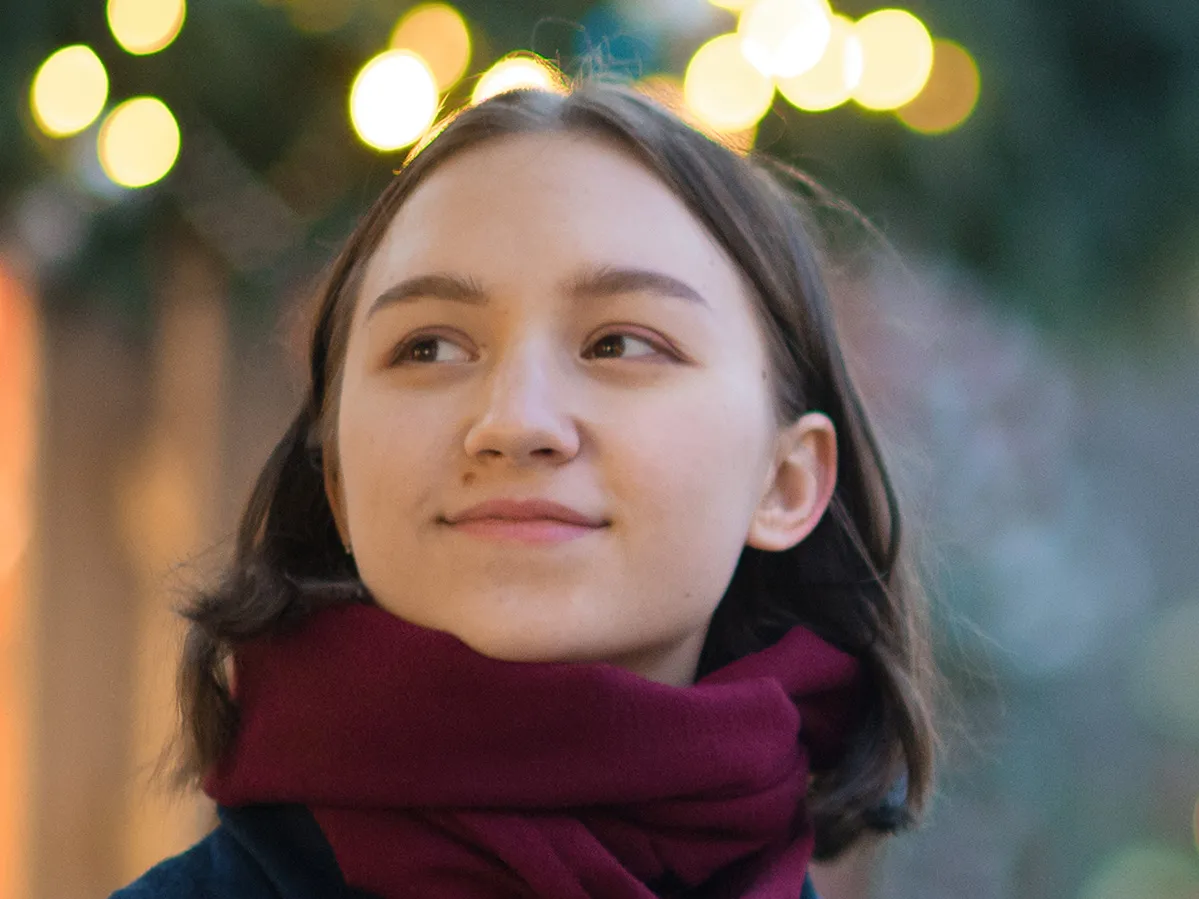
column 529, row 644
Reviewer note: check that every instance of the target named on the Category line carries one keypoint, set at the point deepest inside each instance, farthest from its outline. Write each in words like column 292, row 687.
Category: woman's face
column 545, row 320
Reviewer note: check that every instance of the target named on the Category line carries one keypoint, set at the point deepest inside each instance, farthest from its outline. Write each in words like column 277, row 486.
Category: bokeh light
column 138, row 142
column 1145, row 870
column 438, row 34
column 393, row 100
column 145, row 26
column 950, row 94
column 667, row 91
column 517, row 72
column 733, row 5
column 832, row 80
column 722, row 89
column 784, row 38
column 68, row 91
column 897, row 58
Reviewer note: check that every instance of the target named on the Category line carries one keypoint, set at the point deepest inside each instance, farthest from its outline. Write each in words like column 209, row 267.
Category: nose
column 524, row 415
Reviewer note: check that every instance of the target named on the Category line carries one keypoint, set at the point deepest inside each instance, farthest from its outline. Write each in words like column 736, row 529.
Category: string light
column 68, row 91
column 393, row 100
column 138, row 142
column 897, row 58
column 832, row 80
column 145, row 26
column 523, row 71
column 950, row 94
column 438, row 34
column 722, row 89
column 785, row 38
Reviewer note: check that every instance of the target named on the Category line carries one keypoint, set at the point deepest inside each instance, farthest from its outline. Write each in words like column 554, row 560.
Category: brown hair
column 849, row 580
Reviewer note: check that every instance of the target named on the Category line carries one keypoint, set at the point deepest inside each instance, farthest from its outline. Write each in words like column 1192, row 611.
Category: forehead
column 526, row 206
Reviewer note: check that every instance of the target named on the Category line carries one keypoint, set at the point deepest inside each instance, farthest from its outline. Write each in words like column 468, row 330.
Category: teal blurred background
column 1031, row 353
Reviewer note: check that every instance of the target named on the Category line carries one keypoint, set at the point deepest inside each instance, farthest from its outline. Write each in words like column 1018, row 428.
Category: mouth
column 538, row 531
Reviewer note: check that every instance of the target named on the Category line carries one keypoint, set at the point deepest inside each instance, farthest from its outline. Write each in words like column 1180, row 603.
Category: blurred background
column 173, row 179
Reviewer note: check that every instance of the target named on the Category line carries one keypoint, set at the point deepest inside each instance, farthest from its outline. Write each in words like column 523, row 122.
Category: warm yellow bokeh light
column 439, row 35
column 722, row 89
column 831, row 81
column 516, row 73
column 667, row 91
column 68, row 91
column 138, row 142
column 784, row 38
column 897, row 57
column 145, row 26
column 950, row 95
column 393, row 100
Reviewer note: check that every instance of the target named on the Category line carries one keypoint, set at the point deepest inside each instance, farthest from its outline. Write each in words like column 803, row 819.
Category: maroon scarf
column 435, row 771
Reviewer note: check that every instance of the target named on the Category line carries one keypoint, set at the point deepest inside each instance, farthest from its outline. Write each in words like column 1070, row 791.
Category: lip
column 514, row 511
column 528, row 530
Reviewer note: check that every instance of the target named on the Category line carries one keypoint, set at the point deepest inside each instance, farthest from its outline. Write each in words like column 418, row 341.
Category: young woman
column 578, row 572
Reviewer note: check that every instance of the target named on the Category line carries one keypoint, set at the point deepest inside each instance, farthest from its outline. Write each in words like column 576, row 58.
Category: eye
column 424, row 349
column 616, row 344
column 421, row 349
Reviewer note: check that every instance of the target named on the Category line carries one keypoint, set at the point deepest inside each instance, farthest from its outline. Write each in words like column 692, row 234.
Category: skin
column 624, row 401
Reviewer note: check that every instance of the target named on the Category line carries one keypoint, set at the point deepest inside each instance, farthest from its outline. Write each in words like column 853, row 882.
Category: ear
column 799, row 485
column 335, row 494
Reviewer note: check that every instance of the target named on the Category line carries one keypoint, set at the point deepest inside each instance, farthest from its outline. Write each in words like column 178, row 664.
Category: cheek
column 690, row 494
column 385, row 457
column 697, row 457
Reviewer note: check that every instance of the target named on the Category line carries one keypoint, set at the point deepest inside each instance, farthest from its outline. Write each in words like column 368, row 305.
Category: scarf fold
column 434, row 770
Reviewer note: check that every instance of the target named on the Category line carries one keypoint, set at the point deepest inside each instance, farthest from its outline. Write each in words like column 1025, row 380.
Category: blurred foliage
column 1070, row 191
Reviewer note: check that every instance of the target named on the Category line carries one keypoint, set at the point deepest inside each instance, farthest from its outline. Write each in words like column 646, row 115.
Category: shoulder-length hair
column 849, row 580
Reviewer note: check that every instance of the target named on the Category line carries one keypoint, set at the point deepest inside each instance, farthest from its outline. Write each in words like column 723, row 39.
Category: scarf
column 434, row 770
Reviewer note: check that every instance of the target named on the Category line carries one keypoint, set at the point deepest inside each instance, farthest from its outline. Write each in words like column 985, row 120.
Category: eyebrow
column 597, row 283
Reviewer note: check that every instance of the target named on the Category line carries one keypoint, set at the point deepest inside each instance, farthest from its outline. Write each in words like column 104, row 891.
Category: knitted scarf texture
column 436, row 771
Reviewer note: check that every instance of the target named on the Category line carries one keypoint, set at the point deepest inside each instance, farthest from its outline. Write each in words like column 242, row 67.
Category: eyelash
column 396, row 357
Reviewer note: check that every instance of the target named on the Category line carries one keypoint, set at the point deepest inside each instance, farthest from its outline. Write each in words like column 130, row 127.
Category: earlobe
column 804, row 476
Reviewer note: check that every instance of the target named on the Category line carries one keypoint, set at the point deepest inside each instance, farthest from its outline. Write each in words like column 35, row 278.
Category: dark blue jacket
column 259, row 852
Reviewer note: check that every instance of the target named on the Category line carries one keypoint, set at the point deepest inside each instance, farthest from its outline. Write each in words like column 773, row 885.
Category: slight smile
column 529, row 530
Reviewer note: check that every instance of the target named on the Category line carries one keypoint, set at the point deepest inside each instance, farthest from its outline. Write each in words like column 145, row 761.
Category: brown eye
column 421, row 350
column 616, row 346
